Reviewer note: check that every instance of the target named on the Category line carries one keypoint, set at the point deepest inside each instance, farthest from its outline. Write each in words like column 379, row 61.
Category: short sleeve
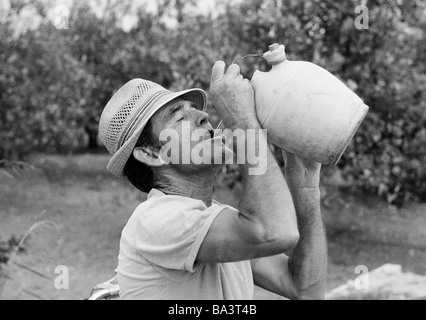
column 170, row 232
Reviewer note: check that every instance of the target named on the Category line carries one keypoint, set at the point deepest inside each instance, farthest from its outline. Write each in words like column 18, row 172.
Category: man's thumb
column 218, row 71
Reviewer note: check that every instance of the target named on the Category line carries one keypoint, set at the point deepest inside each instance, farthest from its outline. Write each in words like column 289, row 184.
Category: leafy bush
column 388, row 160
column 54, row 83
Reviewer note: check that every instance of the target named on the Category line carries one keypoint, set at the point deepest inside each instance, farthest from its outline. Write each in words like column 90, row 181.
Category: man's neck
column 192, row 185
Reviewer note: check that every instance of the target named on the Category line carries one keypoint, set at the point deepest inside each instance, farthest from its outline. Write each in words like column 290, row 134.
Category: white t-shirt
column 158, row 249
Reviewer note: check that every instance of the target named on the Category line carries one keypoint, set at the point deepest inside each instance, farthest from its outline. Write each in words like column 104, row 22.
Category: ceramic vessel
column 306, row 109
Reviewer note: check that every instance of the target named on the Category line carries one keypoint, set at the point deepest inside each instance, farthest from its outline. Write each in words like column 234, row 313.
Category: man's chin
column 210, row 152
column 223, row 155
column 220, row 153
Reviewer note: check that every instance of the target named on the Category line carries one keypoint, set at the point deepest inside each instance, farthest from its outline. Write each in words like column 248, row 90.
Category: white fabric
column 158, row 251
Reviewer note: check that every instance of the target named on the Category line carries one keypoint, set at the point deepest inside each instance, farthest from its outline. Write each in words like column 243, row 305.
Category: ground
column 90, row 208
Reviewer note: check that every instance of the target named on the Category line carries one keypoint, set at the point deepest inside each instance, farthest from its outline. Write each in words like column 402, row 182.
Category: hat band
column 139, row 116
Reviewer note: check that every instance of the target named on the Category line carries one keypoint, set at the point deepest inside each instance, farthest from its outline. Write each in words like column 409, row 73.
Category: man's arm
column 266, row 222
column 303, row 274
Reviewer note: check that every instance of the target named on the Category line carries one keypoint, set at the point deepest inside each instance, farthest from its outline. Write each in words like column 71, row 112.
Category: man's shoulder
column 160, row 204
column 161, row 209
column 158, row 201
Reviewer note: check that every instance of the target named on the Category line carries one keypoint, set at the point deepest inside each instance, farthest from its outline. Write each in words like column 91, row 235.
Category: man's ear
column 148, row 157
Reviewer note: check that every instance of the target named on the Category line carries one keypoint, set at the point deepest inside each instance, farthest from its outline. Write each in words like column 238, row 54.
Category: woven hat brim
column 119, row 159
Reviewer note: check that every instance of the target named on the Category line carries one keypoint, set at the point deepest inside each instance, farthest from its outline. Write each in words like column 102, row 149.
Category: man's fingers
column 218, row 71
column 233, row 71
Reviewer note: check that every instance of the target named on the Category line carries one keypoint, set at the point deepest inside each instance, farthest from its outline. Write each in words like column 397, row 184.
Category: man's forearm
column 267, row 196
column 308, row 260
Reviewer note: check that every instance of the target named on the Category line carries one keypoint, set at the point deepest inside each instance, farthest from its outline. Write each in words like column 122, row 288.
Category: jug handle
column 247, row 56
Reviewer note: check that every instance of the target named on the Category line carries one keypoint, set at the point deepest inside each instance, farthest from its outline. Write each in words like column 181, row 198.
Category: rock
column 387, row 282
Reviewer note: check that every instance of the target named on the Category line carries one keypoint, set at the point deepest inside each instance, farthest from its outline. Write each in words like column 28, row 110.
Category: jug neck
column 276, row 54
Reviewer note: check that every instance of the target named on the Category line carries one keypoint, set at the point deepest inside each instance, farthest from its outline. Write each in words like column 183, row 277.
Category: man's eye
column 181, row 119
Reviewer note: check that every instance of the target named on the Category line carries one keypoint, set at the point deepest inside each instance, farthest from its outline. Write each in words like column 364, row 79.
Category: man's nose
column 201, row 118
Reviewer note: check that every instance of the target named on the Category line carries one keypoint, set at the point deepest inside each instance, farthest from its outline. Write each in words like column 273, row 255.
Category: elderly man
column 182, row 244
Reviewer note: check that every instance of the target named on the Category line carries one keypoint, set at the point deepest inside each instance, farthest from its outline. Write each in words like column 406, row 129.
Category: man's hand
column 301, row 173
column 233, row 97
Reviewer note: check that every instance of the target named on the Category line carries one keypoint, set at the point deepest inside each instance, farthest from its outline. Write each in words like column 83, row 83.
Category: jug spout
column 274, row 46
column 276, row 54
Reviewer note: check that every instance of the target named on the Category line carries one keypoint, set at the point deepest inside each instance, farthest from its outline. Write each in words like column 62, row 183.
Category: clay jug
column 306, row 109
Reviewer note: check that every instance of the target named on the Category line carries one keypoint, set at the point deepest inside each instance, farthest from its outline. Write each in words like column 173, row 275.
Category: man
column 180, row 243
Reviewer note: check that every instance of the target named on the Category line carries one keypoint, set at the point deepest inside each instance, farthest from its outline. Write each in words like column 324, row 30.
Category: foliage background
column 55, row 82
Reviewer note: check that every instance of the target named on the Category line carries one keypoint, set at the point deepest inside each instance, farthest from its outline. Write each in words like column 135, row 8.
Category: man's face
column 183, row 128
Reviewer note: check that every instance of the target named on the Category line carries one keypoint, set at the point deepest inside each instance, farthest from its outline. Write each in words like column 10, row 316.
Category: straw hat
column 126, row 114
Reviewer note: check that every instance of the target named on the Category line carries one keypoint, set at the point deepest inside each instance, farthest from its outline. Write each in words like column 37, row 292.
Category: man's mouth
column 208, row 135
column 211, row 136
